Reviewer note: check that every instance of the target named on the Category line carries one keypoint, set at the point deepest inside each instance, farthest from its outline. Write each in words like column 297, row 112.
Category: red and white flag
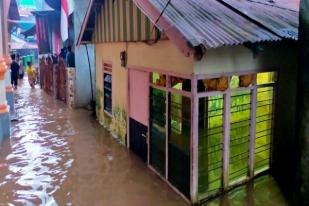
column 70, row 4
column 64, row 20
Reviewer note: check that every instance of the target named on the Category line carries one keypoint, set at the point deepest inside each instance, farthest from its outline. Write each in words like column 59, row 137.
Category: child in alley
column 31, row 74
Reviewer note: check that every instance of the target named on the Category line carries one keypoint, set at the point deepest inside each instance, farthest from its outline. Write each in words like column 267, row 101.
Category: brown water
column 58, row 156
column 262, row 192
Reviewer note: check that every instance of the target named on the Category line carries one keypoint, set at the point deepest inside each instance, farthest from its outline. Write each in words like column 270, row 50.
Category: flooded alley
column 58, row 156
column 197, row 103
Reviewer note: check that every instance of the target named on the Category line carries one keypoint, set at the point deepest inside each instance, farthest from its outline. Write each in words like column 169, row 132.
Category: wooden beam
column 172, row 32
column 252, row 130
column 84, row 24
column 194, row 142
column 167, row 114
column 226, row 139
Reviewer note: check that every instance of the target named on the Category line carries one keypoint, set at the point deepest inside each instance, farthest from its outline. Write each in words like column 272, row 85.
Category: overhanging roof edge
column 84, row 24
column 158, row 20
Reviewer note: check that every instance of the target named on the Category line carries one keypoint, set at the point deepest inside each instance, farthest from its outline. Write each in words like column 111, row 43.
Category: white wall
column 83, row 88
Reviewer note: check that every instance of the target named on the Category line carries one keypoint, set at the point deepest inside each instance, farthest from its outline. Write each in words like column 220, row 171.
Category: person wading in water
column 14, row 72
column 31, row 75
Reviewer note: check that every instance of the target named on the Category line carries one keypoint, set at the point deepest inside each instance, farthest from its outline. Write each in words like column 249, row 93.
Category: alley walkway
column 58, row 156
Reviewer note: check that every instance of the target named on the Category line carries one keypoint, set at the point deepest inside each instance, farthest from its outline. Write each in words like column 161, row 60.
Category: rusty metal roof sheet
column 287, row 4
column 280, row 20
column 213, row 24
column 210, row 23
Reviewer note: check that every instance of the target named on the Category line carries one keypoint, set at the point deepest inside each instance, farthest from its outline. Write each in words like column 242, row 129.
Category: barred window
column 107, row 85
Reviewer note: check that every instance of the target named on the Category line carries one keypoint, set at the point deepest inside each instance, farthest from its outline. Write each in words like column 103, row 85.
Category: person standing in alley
column 21, row 67
column 14, row 71
column 70, row 58
column 63, row 53
column 31, row 74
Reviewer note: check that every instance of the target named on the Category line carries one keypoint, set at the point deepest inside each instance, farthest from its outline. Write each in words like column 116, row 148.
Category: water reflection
column 58, row 156
column 37, row 158
column 263, row 191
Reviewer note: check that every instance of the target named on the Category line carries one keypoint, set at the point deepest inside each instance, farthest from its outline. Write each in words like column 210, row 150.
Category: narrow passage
column 58, row 156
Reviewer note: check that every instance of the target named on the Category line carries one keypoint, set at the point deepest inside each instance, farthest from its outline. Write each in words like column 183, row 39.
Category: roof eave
column 84, row 24
column 171, row 32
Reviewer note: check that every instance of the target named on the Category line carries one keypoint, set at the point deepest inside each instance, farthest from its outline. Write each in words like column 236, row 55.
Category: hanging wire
column 160, row 16
column 199, row 4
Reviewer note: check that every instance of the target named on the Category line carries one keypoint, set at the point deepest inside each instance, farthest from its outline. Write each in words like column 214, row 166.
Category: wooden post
column 194, row 141
column 226, row 139
column 252, row 132
column 167, row 114
column 128, row 112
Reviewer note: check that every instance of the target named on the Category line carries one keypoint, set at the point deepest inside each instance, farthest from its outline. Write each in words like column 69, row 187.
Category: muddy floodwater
column 58, row 156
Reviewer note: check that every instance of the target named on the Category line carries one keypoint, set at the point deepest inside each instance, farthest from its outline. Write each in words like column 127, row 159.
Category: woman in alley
column 31, row 74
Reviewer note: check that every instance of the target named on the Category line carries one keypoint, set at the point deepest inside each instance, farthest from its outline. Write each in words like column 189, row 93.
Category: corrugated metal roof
column 210, row 23
column 282, row 21
column 287, row 4
column 215, row 23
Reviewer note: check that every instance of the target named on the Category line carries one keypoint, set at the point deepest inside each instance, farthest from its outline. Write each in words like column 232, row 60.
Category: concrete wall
column 83, row 87
column 162, row 56
column 284, row 143
column 240, row 59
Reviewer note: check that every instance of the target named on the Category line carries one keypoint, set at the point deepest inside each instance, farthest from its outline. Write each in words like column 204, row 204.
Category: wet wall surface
column 58, row 156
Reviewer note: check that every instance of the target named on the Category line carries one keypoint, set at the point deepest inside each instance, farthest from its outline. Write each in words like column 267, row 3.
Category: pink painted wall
column 139, row 96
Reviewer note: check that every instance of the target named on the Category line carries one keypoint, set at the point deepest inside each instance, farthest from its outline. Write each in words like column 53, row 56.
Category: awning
column 18, row 43
column 85, row 35
column 29, row 32
column 13, row 11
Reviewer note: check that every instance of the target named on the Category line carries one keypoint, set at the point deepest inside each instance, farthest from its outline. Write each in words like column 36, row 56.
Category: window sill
column 108, row 114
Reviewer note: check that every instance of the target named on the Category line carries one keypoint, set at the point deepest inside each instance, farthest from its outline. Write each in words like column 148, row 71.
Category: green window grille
column 264, row 128
column 210, row 145
column 240, row 112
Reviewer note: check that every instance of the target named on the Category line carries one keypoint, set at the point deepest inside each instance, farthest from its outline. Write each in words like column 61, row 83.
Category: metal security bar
column 230, row 129
column 239, row 136
column 179, row 142
column 264, row 128
column 157, row 129
column 210, row 145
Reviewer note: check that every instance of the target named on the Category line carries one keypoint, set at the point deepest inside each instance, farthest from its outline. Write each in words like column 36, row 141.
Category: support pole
column 252, row 132
column 91, row 86
column 194, row 141
column 226, row 139
column 167, row 117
